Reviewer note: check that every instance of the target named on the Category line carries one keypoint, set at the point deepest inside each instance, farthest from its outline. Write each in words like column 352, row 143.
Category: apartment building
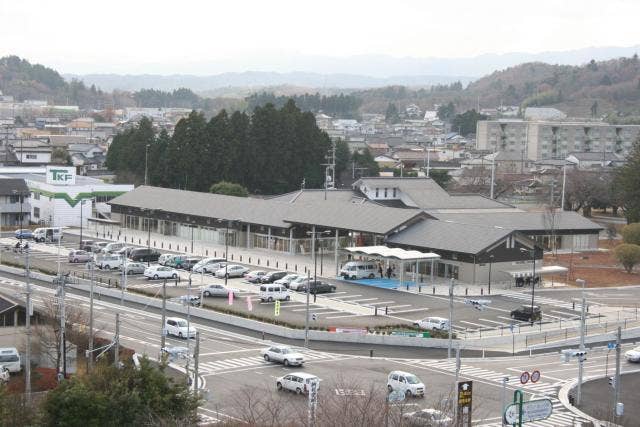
column 540, row 140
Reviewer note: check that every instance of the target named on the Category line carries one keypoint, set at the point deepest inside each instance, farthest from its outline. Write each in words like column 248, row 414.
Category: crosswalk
column 243, row 363
column 560, row 416
column 544, row 300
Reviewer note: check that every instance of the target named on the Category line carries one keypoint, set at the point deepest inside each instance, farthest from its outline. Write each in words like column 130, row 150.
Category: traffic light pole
column 616, row 390
column 581, row 358
column 450, row 318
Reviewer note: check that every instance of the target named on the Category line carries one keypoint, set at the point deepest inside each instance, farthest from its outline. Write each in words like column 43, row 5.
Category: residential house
column 14, row 202
column 32, row 151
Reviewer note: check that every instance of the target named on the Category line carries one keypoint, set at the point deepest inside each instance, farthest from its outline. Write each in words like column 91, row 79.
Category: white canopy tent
column 396, row 254
column 548, row 269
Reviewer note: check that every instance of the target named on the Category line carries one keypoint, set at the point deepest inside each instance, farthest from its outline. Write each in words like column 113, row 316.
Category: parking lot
column 351, row 305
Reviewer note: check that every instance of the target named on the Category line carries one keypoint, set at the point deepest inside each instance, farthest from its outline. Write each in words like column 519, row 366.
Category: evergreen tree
column 391, row 116
column 627, row 184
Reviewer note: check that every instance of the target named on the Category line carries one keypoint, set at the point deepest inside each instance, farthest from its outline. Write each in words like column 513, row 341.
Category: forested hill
column 614, row 85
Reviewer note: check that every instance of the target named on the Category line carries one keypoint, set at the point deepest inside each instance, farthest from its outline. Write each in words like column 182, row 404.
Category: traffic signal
column 314, row 316
column 581, row 355
column 612, row 382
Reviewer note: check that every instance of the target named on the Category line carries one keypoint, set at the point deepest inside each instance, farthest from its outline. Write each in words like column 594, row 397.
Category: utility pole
column 196, row 355
column 63, row 362
column 450, row 318
column 116, row 354
column 164, row 314
column 503, row 398
column 616, row 390
column 493, row 175
column 91, row 267
column 29, row 312
column 564, row 183
column 123, row 285
column 581, row 358
column 306, row 319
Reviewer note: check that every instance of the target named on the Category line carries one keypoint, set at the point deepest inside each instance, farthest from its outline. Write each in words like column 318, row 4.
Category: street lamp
column 19, row 194
column 146, row 163
column 533, row 278
column 149, row 212
column 491, row 257
column 82, row 201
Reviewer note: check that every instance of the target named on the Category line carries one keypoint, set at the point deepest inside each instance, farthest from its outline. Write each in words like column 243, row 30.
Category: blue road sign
column 611, row 345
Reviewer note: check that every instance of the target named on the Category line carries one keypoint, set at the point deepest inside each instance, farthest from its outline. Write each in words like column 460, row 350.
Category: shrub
column 628, row 255
column 631, row 233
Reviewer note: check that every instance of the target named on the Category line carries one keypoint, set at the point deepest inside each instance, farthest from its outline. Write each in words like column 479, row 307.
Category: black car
column 188, row 263
column 272, row 276
column 318, row 287
column 144, row 255
column 524, row 313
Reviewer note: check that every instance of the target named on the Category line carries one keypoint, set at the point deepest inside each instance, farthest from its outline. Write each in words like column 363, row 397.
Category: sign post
column 276, row 308
column 313, row 402
column 525, row 412
column 465, row 404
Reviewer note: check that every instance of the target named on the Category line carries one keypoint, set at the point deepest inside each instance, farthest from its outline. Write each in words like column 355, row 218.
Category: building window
column 394, row 193
column 36, row 196
column 377, row 193
column 36, row 213
column 385, row 193
column 14, row 199
column 32, row 156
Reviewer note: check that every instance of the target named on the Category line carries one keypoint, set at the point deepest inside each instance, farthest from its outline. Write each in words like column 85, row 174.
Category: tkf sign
column 465, row 401
column 61, row 175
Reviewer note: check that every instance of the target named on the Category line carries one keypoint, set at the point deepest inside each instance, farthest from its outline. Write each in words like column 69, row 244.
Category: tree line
column 342, row 106
column 270, row 151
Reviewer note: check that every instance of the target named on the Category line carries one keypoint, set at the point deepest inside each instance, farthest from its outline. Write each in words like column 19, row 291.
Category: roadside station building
column 417, row 215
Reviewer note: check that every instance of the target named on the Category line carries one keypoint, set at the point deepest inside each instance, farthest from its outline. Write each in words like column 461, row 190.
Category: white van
column 49, row 234
column 113, row 247
column 10, row 359
column 433, row 323
column 109, row 262
column 405, row 382
column 359, row 270
column 273, row 292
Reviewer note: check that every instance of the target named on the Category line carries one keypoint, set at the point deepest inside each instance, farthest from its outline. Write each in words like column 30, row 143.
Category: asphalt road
column 598, row 399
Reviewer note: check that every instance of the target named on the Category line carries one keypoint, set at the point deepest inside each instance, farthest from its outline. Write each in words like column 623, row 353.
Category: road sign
column 611, row 345
column 396, row 396
column 533, row 410
column 535, row 376
column 313, row 400
column 524, row 377
column 465, row 403
column 276, row 308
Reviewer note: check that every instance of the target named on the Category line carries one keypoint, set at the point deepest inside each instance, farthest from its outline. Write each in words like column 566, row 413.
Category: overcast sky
column 206, row 37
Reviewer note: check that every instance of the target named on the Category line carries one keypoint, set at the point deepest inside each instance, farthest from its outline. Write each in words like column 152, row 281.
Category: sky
column 207, row 37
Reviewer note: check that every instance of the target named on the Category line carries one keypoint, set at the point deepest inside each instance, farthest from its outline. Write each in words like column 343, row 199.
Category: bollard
column 277, row 264
column 386, row 310
column 215, row 253
column 466, row 291
column 258, row 261
column 154, row 244
column 286, row 266
column 263, row 335
column 296, row 267
column 434, row 290
column 526, row 340
column 375, row 311
column 545, row 337
column 481, row 291
column 573, row 305
column 109, row 286
column 566, row 332
column 419, row 288
column 169, row 246
column 161, row 245
column 139, row 241
column 370, row 352
column 206, row 252
column 232, row 258
column 267, row 263
column 314, row 297
column 185, row 249
column 240, row 258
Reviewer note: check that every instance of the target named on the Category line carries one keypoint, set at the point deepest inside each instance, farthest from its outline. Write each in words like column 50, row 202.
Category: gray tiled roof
column 522, row 221
column 595, row 156
column 8, row 185
column 330, row 213
column 449, row 236
column 315, row 195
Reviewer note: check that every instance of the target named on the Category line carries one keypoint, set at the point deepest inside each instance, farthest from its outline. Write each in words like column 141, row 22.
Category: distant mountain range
column 355, row 72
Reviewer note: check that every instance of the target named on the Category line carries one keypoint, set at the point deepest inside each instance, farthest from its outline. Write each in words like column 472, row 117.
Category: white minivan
column 49, row 234
column 433, row 323
column 113, row 247
column 405, row 382
column 359, row 270
column 10, row 359
column 273, row 292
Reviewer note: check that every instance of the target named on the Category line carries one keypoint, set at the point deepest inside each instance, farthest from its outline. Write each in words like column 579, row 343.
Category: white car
column 633, row 355
column 433, row 323
column 286, row 280
column 164, row 258
column 282, row 354
column 427, row 417
column 298, row 382
column 109, row 262
column 213, row 267
column 232, row 270
column 202, row 264
column 156, row 272
column 177, row 327
column 217, row 291
column 405, row 382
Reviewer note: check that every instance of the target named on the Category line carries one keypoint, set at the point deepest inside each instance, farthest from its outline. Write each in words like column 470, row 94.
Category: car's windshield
column 9, row 358
column 412, row 379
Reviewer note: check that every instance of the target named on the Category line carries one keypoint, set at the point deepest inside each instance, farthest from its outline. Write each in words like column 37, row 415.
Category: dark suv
column 524, row 313
column 144, row 255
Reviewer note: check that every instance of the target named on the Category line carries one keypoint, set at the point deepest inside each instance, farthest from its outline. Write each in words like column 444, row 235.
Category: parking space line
column 310, row 309
column 474, row 324
column 349, row 296
column 413, row 310
column 494, row 321
column 347, row 315
column 363, row 299
column 393, row 307
column 379, row 303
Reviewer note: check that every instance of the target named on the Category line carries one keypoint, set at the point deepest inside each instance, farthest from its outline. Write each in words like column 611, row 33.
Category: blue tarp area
column 382, row 283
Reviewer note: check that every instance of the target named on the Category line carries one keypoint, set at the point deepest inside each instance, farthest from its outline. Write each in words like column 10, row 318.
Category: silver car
column 217, row 291
column 135, row 268
column 80, row 256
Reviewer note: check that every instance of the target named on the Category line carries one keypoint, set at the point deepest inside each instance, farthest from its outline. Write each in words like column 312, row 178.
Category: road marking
column 364, row 299
column 494, row 321
column 347, row 315
column 310, row 309
column 380, row 303
column 230, row 351
column 393, row 307
column 413, row 310
column 474, row 324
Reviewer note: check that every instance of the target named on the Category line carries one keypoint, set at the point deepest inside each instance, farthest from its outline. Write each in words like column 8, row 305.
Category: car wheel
column 180, row 335
column 266, row 358
column 269, row 299
column 286, row 362
column 174, row 276
column 298, row 390
column 353, row 277
column 372, row 276
column 155, row 277
column 129, row 271
column 287, row 298
column 408, row 393
column 206, row 294
column 279, row 386
column 227, row 275
column 513, row 316
column 389, row 388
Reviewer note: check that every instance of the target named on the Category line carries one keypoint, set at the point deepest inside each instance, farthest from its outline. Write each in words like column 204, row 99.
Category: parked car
column 80, row 256
column 272, row 292
column 113, row 247
column 633, row 355
column 433, row 323
column 47, row 234
column 282, row 354
column 86, row 245
column 156, row 272
column 359, row 270
column 179, row 327
column 300, row 281
column 298, row 382
column 194, row 300
column 272, row 276
column 135, row 267
column 199, row 267
column 10, row 359
column 286, row 280
column 124, row 251
column 162, row 259
column 426, row 418
column 97, row 247
column 217, row 291
column 405, row 382
column 176, row 261
column 213, row 267
column 144, row 255
column 525, row 313
column 254, row 276
column 232, row 270
column 109, row 262
column 190, row 262
column 24, row 234
column 316, row 287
